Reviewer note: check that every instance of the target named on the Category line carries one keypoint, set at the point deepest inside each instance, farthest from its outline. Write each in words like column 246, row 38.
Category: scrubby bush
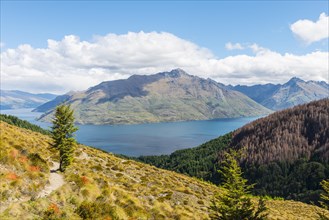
column 53, row 213
column 37, row 161
column 96, row 210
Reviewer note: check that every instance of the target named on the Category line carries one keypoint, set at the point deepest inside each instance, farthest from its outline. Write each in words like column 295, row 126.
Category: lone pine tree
column 234, row 200
column 62, row 134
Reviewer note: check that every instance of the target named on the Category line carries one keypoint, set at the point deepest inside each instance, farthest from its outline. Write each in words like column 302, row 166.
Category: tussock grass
column 99, row 185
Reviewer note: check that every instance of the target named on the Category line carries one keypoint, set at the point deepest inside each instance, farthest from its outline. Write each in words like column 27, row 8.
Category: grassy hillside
column 102, row 186
column 285, row 154
column 13, row 120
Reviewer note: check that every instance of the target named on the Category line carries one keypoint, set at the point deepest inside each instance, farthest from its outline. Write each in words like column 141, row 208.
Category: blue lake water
column 145, row 139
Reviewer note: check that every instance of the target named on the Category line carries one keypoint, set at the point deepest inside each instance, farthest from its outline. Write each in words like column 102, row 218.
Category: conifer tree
column 234, row 202
column 62, row 134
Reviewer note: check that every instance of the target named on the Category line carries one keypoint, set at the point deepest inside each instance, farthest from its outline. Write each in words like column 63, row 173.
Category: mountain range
column 165, row 96
column 169, row 96
column 277, row 97
column 14, row 99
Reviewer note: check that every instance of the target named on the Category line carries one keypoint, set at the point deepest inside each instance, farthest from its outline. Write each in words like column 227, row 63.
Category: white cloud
column 72, row 64
column 2, row 44
column 309, row 31
column 231, row 46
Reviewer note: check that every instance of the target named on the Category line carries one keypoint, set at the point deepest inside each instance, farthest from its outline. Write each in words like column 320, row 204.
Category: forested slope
column 286, row 153
column 288, row 135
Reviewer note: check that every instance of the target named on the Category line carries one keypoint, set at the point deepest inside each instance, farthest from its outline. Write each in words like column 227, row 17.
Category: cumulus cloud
column 72, row 64
column 231, row 46
column 309, row 31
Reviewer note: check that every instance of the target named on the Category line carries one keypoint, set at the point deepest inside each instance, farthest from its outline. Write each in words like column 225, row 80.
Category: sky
column 59, row 46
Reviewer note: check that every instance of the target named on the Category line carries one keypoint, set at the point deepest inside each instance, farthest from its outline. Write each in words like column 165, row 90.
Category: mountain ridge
column 14, row 99
column 280, row 96
column 162, row 97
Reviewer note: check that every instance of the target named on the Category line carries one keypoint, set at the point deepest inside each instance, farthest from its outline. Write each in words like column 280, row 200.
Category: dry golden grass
column 106, row 186
column 23, row 174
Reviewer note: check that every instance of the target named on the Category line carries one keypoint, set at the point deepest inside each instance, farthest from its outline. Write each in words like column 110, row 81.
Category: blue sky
column 207, row 24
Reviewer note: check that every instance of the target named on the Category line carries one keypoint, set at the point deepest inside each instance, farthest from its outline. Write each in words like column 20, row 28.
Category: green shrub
column 53, row 213
column 97, row 167
column 96, row 210
column 87, row 210
column 36, row 160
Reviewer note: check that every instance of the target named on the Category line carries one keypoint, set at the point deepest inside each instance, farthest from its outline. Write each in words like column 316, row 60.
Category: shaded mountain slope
column 99, row 185
column 53, row 103
column 285, row 153
column 259, row 93
column 167, row 96
column 294, row 92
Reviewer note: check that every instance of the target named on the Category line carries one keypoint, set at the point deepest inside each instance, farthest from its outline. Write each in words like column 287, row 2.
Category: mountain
column 294, row 92
column 14, row 99
column 259, row 93
column 51, row 104
column 166, row 96
column 99, row 185
column 285, row 154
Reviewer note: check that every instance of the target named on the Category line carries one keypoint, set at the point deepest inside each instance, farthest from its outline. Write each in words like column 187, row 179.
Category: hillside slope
column 295, row 92
column 99, row 185
column 167, row 96
column 288, row 135
column 14, row 99
column 286, row 153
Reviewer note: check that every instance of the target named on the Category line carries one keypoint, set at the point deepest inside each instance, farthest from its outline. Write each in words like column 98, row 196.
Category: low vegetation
column 324, row 200
column 99, row 185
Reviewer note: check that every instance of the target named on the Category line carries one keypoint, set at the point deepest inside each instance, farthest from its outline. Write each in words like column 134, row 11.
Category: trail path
column 56, row 180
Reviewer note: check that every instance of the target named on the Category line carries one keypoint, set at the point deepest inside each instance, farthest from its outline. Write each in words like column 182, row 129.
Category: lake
column 145, row 139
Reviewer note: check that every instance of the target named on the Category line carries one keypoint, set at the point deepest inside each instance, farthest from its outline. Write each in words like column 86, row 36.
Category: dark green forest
column 23, row 124
column 201, row 162
column 286, row 154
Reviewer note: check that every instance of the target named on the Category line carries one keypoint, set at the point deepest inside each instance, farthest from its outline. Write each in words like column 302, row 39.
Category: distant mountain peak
column 295, row 80
column 175, row 73
column 294, row 92
column 179, row 71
